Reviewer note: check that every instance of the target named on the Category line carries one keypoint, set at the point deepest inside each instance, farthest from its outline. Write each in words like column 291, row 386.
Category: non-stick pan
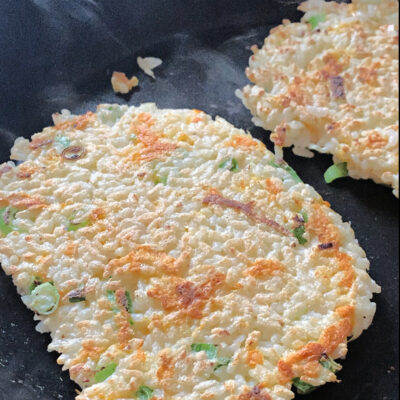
column 60, row 54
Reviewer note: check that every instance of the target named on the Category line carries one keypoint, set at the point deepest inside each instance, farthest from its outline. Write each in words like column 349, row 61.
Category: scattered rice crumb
column 147, row 64
column 121, row 84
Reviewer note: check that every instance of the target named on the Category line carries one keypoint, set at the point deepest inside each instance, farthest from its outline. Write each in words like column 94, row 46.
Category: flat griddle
column 61, row 54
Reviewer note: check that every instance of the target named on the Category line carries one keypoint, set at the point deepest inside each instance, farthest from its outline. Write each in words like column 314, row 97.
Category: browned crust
column 151, row 145
column 187, row 297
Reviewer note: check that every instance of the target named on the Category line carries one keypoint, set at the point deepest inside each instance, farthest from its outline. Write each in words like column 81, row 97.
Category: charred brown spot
column 186, row 292
column 188, row 297
column 337, row 87
column 298, row 220
column 324, row 246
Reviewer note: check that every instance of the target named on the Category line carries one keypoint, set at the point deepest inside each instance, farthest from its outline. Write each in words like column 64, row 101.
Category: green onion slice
column 144, row 393
column 211, row 352
column 336, row 171
column 209, row 349
column 298, row 233
column 111, row 297
column 304, row 215
column 77, row 295
column 231, row 164
column 328, row 363
column 72, row 226
column 316, row 19
column 43, row 299
column 221, row 362
column 63, row 140
column 129, row 306
column 303, row 387
column 77, row 299
column 160, row 179
column 287, row 168
column 7, row 216
column 36, row 281
column 105, row 372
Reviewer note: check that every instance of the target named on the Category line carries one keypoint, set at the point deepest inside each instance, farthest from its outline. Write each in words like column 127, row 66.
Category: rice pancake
column 170, row 256
column 330, row 84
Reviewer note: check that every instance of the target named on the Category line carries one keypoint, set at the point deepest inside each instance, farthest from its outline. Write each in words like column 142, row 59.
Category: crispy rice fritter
column 330, row 83
column 170, row 256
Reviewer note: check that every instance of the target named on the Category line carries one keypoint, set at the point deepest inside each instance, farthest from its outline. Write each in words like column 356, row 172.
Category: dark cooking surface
column 56, row 55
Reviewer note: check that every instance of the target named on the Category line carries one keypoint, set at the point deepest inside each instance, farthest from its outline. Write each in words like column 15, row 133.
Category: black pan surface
column 60, row 54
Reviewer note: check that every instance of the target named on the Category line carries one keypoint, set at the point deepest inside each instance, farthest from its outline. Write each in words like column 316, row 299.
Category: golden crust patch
column 245, row 142
column 264, row 268
column 23, row 201
column 151, row 145
column 304, row 360
column 185, row 296
column 161, row 261
column 80, row 122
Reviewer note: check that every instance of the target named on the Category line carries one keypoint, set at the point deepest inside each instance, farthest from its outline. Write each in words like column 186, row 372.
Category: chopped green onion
column 111, row 295
column 129, row 306
column 36, row 281
column 72, row 227
column 316, row 19
column 160, row 179
column 113, row 300
column 144, row 393
column 77, row 295
column 209, row 349
column 336, row 171
column 289, row 169
column 328, row 363
column 299, row 232
column 304, row 215
column 221, row 362
column 133, row 136
column 104, row 373
column 211, row 352
column 231, row 164
column 63, row 140
column 7, row 216
column 43, row 299
column 302, row 387
column 77, row 299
